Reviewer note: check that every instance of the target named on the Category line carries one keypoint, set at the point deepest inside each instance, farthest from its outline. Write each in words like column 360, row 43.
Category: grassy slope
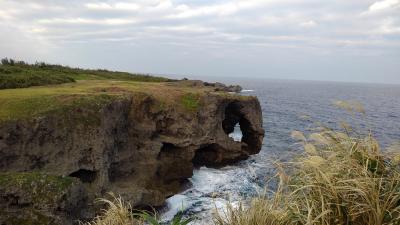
column 30, row 102
column 25, row 75
column 28, row 91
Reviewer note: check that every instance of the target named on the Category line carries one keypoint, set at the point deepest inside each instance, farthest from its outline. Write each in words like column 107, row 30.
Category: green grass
column 36, row 101
column 22, row 75
column 343, row 177
column 30, row 91
column 43, row 189
column 191, row 101
column 27, row 103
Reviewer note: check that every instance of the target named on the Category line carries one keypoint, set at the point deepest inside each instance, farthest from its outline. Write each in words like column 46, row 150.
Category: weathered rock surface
column 136, row 146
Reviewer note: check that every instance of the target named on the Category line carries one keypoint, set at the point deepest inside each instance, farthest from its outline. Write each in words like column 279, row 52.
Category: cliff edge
column 139, row 140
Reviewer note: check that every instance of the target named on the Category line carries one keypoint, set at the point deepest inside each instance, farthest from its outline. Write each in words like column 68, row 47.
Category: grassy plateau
column 28, row 91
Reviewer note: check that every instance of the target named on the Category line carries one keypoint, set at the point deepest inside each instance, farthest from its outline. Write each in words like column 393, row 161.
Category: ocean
column 286, row 106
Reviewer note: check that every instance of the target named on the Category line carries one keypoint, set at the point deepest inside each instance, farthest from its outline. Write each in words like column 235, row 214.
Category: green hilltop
column 19, row 74
column 33, row 90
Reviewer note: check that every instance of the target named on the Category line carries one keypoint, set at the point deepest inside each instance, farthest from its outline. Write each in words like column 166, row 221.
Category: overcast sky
column 342, row 40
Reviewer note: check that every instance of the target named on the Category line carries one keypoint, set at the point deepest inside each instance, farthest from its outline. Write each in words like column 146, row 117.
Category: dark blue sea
column 287, row 106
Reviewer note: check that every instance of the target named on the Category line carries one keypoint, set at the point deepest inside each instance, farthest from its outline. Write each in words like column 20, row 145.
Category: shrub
column 5, row 61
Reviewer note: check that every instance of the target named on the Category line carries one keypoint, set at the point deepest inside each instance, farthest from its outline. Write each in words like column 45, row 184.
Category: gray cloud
column 356, row 40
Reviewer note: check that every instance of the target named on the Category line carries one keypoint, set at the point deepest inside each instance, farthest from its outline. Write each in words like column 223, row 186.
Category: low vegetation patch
column 27, row 103
column 343, row 177
column 191, row 101
column 31, row 103
column 18, row 74
column 43, row 189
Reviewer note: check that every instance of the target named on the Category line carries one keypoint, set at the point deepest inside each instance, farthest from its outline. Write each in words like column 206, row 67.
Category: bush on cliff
column 342, row 178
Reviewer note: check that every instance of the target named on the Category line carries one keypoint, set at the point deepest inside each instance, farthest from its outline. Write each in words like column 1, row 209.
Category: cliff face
column 134, row 146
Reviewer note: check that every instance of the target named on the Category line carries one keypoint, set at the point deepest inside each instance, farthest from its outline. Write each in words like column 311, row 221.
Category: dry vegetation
column 342, row 178
column 118, row 212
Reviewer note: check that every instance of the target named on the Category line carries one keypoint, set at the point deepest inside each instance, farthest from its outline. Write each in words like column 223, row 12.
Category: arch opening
column 239, row 128
column 234, row 121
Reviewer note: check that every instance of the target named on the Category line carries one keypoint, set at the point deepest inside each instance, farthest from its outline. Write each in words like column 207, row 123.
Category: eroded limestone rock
column 135, row 146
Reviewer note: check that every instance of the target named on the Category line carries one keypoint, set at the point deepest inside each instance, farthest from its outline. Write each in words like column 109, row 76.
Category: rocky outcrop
column 222, row 87
column 216, row 86
column 135, row 146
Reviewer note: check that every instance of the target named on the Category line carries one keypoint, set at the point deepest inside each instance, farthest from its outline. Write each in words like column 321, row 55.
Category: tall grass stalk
column 119, row 212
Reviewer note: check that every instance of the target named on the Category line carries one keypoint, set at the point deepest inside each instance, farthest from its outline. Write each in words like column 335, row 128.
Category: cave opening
column 86, row 176
column 206, row 155
column 167, row 147
column 168, row 150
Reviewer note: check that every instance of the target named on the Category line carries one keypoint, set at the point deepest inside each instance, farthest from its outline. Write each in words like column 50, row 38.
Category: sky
column 339, row 40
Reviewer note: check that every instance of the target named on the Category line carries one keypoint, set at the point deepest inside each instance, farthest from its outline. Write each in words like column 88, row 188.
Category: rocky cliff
column 134, row 144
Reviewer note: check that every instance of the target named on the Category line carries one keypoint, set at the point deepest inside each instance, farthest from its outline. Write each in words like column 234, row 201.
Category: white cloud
column 385, row 4
column 388, row 27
